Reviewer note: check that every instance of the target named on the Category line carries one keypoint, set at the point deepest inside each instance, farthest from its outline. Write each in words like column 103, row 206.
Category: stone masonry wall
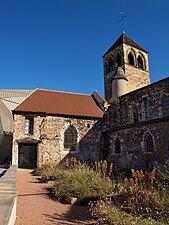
column 133, row 146
column 49, row 131
column 137, row 77
column 132, row 133
column 145, row 101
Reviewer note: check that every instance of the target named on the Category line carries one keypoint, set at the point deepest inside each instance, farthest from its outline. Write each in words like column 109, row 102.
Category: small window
column 110, row 65
column 149, row 143
column 117, row 146
column 135, row 116
column 70, row 139
column 118, row 60
column 144, row 109
column 140, row 62
column 29, row 123
column 131, row 59
column 165, row 105
column 88, row 125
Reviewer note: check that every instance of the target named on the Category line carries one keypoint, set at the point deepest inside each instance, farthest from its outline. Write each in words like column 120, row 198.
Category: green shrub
column 163, row 178
column 83, row 183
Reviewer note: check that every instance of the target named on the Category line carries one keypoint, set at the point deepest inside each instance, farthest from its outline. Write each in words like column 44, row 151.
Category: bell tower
column 132, row 58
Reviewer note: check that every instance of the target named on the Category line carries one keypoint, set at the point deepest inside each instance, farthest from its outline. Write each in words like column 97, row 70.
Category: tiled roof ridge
column 64, row 92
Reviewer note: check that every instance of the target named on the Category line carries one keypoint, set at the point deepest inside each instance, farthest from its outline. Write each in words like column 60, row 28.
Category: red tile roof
column 60, row 103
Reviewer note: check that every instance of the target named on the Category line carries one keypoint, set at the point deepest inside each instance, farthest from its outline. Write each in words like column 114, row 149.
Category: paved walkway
column 36, row 208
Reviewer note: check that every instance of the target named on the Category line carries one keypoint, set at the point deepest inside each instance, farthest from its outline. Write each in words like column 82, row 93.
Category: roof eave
column 122, row 40
column 57, row 114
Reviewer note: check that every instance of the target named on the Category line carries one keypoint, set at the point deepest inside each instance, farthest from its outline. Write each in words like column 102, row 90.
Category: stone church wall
column 139, row 114
column 145, row 103
column 49, row 133
column 133, row 145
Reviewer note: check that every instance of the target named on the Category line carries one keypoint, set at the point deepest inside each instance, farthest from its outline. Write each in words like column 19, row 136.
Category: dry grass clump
column 144, row 202
column 49, row 172
column 106, row 213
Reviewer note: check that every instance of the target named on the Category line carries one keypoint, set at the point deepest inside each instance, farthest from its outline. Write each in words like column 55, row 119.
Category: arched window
column 131, row 59
column 118, row 60
column 110, row 65
column 117, row 146
column 165, row 105
column 140, row 62
column 70, row 139
column 149, row 143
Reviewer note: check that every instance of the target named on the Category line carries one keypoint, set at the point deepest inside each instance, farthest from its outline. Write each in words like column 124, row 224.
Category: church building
column 130, row 127
column 136, row 125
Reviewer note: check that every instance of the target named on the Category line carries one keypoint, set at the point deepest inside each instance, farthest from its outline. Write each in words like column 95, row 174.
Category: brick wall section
column 49, row 132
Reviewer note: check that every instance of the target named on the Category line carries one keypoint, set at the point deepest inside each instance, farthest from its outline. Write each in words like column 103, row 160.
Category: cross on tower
column 123, row 16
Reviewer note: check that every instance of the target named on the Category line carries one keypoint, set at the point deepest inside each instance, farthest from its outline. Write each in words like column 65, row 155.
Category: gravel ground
column 35, row 207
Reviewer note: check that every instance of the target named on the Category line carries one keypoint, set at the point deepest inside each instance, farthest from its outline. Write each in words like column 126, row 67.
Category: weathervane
column 123, row 16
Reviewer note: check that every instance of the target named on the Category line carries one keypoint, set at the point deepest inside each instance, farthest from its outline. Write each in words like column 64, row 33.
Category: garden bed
column 141, row 199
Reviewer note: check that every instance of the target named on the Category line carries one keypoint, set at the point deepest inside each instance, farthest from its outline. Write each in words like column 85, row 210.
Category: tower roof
column 124, row 39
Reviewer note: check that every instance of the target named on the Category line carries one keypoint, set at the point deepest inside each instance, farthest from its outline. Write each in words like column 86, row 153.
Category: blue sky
column 58, row 44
